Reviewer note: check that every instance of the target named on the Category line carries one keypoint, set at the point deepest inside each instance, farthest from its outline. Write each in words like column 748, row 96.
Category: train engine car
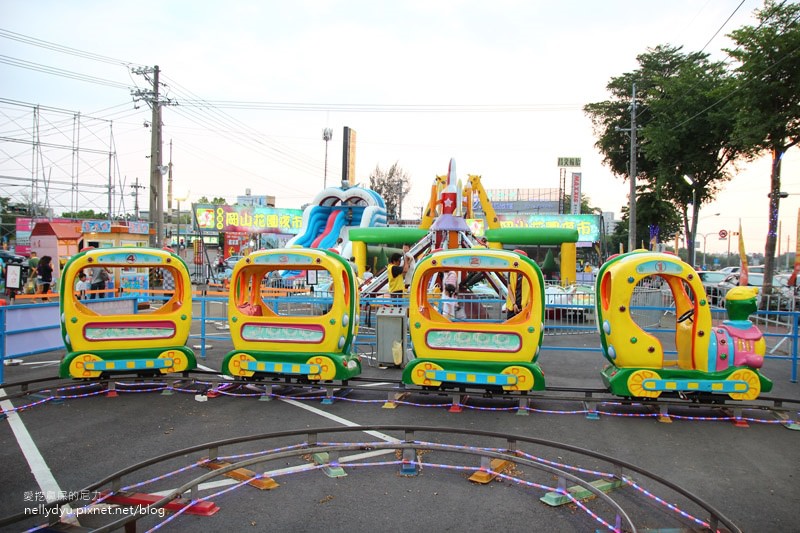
column 710, row 359
column 483, row 350
column 106, row 336
column 305, row 332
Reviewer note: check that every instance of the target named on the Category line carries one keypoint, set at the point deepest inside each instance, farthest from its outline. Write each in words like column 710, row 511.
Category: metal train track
column 205, row 382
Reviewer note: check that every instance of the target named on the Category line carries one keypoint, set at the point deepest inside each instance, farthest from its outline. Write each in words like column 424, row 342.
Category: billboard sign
column 569, row 161
column 575, row 203
column 248, row 219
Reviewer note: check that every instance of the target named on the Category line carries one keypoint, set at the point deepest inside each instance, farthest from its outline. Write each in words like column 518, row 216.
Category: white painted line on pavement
column 340, row 420
column 208, row 369
column 41, row 472
column 211, row 485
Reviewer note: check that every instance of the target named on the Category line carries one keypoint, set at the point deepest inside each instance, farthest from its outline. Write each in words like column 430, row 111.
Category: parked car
column 12, row 258
column 784, row 295
column 711, row 280
column 232, row 260
column 734, row 269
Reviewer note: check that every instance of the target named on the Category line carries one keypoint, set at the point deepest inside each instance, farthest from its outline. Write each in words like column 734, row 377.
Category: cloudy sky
column 497, row 85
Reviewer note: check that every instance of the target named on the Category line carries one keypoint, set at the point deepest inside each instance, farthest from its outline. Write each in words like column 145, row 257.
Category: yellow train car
column 293, row 312
column 722, row 359
column 480, row 347
column 100, row 340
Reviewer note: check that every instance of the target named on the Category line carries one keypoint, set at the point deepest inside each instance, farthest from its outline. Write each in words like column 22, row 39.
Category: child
column 82, row 285
column 450, row 307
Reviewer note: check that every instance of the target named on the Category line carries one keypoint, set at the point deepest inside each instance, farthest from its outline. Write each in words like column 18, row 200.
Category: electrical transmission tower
column 157, row 170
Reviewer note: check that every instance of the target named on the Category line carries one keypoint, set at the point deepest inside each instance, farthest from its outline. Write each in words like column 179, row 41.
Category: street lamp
column 705, row 236
column 179, row 200
column 327, row 135
column 690, row 249
column 602, row 228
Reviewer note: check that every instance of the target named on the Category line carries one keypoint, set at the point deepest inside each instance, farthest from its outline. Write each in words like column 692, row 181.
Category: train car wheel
column 179, row 361
column 636, row 384
column 524, row 378
column 235, row 365
column 753, row 384
column 419, row 374
column 327, row 369
column 77, row 368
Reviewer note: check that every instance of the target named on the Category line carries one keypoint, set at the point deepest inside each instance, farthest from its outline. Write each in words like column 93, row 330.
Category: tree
column 652, row 210
column 216, row 201
column 691, row 134
column 85, row 214
column 393, row 186
column 681, row 133
column 768, row 98
column 566, row 205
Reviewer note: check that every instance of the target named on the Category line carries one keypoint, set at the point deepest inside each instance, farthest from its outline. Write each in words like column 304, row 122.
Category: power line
column 38, row 67
column 723, row 25
column 26, row 39
column 382, row 108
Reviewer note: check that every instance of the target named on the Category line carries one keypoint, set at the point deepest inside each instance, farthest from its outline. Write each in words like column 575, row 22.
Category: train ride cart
column 100, row 340
column 293, row 313
column 482, row 350
column 710, row 359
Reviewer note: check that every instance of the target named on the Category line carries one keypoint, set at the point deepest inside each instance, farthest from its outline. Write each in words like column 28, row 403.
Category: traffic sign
column 723, row 234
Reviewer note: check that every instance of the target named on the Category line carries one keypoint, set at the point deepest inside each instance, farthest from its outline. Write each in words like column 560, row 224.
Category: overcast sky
column 395, row 72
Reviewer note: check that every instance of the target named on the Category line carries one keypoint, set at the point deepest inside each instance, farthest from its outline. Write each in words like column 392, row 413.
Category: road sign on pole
column 723, row 234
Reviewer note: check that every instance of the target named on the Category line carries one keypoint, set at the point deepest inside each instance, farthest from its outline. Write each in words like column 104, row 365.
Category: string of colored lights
column 474, row 450
column 151, row 387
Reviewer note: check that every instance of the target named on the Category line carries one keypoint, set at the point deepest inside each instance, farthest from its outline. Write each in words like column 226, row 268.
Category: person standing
column 367, row 274
column 99, row 278
column 33, row 263
column 396, row 273
column 353, row 265
column 451, row 278
column 82, row 285
column 519, row 293
column 451, row 309
column 44, row 275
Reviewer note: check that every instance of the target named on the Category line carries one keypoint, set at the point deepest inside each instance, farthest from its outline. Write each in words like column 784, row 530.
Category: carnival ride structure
column 497, row 354
column 100, row 341
column 722, row 359
column 333, row 212
column 284, row 332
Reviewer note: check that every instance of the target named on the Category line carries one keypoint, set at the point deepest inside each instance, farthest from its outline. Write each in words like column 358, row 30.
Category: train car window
column 303, row 299
column 647, row 300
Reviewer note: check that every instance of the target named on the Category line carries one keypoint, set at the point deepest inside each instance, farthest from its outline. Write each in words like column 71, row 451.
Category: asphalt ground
column 750, row 474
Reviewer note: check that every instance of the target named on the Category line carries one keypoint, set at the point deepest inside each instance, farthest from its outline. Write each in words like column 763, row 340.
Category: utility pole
column 157, row 170
column 169, row 182
column 632, row 176
column 632, row 199
column 156, row 203
column 136, row 188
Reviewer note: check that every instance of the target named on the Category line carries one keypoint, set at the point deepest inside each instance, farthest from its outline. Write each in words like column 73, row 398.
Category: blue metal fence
column 30, row 329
